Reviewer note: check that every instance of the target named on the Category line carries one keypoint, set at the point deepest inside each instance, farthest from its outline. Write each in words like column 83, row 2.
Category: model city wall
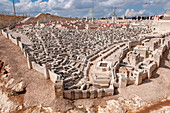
column 90, row 93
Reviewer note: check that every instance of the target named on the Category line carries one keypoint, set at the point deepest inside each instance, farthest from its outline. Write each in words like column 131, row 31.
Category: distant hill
column 6, row 20
column 45, row 18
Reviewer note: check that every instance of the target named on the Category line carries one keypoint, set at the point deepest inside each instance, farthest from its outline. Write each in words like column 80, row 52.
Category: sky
column 83, row 8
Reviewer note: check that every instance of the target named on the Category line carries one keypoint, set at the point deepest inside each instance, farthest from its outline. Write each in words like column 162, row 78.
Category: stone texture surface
column 9, row 107
column 3, row 100
column 121, row 105
column 19, row 88
column 165, row 109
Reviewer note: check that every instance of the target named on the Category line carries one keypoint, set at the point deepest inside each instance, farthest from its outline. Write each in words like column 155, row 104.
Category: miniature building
column 138, row 74
column 87, row 18
column 122, row 82
column 152, row 45
column 103, row 80
column 92, row 26
column 104, row 65
column 142, row 50
column 114, row 19
column 102, row 73
column 126, row 26
column 125, row 71
column 166, row 14
column 133, row 58
column 59, row 26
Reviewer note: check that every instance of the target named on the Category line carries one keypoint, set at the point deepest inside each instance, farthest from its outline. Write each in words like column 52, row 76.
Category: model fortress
column 89, row 63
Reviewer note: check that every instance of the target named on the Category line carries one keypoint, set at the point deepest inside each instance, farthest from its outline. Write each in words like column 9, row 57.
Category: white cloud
column 68, row 4
column 27, row 6
column 6, row 5
column 81, row 8
column 167, row 7
column 132, row 12
column 119, row 3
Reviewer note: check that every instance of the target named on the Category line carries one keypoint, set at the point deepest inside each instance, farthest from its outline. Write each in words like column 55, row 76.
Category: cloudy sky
column 83, row 8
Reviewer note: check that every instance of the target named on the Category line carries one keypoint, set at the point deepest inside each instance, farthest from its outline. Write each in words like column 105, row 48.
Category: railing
column 32, row 14
column 17, row 14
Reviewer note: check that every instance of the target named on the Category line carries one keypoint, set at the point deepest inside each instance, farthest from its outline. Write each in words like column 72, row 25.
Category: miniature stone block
column 29, row 58
column 5, row 34
column 67, row 94
column 95, row 93
column 84, row 93
column 162, row 41
column 1, row 31
column 149, row 73
column 59, row 89
column 88, row 93
column 72, row 94
column 168, row 44
column 25, row 51
column 99, row 93
column 122, row 82
column 18, row 39
column 129, row 45
column 138, row 78
column 77, row 93
column 109, row 92
column 21, row 45
column 46, row 72
column 151, row 68
column 80, row 94
column 92, row 93
column 157, row 59
column 9, row 36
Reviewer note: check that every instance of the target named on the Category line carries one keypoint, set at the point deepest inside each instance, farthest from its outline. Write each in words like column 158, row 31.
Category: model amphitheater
column 87, row 59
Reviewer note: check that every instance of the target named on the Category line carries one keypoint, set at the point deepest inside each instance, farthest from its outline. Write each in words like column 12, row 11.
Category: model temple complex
column 87, row 59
